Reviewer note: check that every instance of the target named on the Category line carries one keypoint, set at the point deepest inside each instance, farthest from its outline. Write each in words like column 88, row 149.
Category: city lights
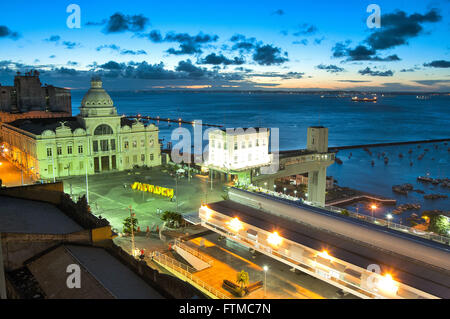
column 387, row 284
column 274, row 239
column 325, row 254
column 235, row 224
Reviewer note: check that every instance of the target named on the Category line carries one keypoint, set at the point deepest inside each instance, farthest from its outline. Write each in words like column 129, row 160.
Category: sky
column 246, row 44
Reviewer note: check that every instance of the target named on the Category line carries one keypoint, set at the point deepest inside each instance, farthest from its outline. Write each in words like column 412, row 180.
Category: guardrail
column 194, row 252
column 187, row 272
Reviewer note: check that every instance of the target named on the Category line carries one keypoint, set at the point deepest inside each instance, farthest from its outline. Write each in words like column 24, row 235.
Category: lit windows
column 134, row 144
column 126, row 145
column 69, row 149
column 59, row 150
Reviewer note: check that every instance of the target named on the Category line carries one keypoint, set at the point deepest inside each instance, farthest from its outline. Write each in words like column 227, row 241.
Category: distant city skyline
column 245, row 45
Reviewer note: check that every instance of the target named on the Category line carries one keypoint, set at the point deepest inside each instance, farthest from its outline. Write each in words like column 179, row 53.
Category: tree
column 439, row 224
column 173, row 219
column 242, row 279
column 345, row 212
column 127, row 225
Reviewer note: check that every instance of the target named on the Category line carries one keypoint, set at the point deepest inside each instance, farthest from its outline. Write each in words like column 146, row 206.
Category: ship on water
column 364, row 99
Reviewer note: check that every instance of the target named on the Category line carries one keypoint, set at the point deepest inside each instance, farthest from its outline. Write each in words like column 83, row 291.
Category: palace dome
column 96, row 96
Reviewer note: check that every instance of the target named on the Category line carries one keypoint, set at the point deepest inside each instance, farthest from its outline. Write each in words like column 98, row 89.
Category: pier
column 180, row 121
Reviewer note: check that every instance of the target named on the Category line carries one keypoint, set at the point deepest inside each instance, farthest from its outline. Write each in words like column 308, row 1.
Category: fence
column 187, row 272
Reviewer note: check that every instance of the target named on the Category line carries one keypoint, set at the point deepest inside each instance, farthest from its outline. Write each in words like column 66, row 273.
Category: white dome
column 96, row 96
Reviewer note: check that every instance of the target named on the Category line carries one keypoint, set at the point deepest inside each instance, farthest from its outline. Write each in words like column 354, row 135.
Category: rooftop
column 37, row 126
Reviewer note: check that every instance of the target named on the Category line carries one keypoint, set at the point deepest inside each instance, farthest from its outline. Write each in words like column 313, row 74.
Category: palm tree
column 242, row 279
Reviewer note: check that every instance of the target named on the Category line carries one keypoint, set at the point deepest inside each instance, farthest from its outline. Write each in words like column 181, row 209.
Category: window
column 257, row 142
column 219, row 145
column 142, row 157
column 126, row 145
column 134, row 159
column 152, row 142
column 103, row 130
column 151, row 157
column 213, row 144
column 69, row 149
column 250, row 144
column 80, row 149
column 235, row 160
column 224, row 145
column 127, row 160
column 113, row 145
column 59, row 150
column 95, row 146
column 243, row 144
column 104, row 145
column 134, row 144
column 49, row 151
column 235, row 145
column 81, row 165
column 142, row 143
column 249, row 157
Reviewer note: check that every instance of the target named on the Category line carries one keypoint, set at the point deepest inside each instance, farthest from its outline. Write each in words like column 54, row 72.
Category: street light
column 284, row 189
column 389, row 217
column 265, row 268
column 295, row 192
column 373, row 207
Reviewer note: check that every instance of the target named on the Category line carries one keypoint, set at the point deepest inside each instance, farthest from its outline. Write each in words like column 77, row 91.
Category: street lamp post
column 284, row 189
column 389, row 217
column 373, row 207
column 265, row 268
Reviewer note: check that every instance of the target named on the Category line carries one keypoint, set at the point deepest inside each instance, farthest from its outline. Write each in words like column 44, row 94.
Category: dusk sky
column 298, row 45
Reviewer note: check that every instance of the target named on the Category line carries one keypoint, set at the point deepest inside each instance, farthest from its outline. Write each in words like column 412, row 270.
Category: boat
column 365, row 99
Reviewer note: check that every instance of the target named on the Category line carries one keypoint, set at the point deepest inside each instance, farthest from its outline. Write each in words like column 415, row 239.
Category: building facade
column 97, row 140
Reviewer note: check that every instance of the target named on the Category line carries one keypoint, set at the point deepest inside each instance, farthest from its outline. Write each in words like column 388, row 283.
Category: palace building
column 97, row 140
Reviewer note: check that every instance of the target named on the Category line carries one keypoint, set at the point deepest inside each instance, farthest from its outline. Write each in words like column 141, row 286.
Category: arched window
column 103, row 130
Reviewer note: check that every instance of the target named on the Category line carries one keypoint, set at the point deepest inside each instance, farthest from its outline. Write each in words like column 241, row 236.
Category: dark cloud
column 284, row 32
column 397, row 28
column 242, row 43
column 192, row 70
column 360, row 53
column 438, row 64
column 53, row 38
column 330, row 68
column 121, row 51
column 72, row 63
column 215, row 59
column 433, row 82
column 188, row 44
column 70, row 45
column 352, row 81
column 319, row 40
column 65, row 71
column 269, row 55
column 279, row 12
column 284, row 76
column 305, row 29
column 120, row 22
column 369, row 71
column 409, row 70
column 5, row 32
column 303, row 42
column 52, row 56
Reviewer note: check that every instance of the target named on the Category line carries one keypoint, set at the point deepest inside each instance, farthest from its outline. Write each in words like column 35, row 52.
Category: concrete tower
column 317, row 142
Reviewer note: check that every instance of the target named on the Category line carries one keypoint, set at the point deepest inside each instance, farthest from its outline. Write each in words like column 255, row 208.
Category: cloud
column 188, row 44
column 319, row 40
column 52, row 56
column 397, row 28
column 305, row 29
column 72, row 63
column 279, row 12
column 303, row 42
column 215, row 59
column 330, row 68
column 438, row 64
column 121, row 51
column 433, row 82
column 269, row 55
column 5, row 32
column 360, row 53
column 120, row 22
column 353, row 81
column 70, row 45
column 242, row 43
column 369, row 71
column 53, row 38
